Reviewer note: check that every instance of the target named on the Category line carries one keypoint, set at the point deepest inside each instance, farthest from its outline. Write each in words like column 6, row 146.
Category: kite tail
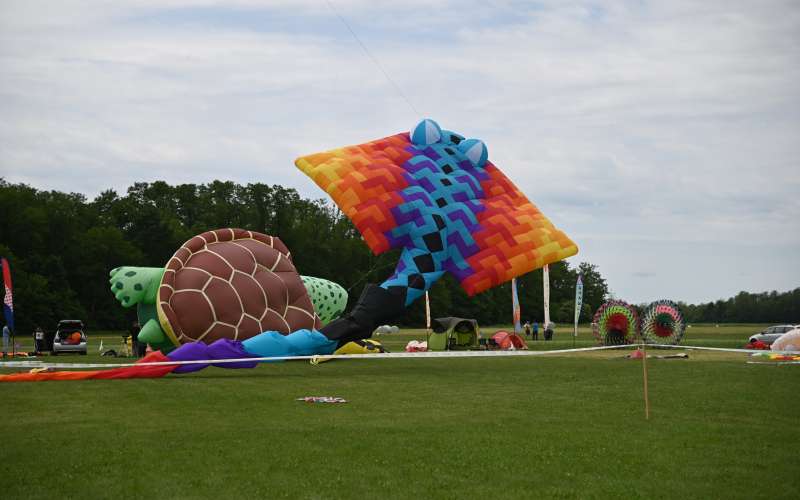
column 113, row 373
column 375, row 306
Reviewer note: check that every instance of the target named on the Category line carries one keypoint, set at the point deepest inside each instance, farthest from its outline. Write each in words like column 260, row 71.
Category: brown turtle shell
column 234, row 284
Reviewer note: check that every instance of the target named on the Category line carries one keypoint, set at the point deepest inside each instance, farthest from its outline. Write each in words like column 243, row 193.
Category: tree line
column 765, row 307
column 61, row 247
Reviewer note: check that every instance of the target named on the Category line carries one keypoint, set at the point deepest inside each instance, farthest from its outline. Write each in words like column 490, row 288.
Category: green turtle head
column 139, row 286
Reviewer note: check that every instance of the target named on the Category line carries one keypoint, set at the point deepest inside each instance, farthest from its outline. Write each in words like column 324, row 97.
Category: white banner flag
column 578, row 303
column 546, row 285
column 427, row 312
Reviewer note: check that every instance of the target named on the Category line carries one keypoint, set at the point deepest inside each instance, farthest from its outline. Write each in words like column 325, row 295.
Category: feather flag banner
column 578, row 303
column 8, row 300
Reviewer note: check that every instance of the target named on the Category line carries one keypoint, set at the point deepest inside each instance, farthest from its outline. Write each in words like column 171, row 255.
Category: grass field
column 562, row 426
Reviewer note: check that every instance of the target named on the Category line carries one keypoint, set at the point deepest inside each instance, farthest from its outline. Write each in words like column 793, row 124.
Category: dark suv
column 69, row 337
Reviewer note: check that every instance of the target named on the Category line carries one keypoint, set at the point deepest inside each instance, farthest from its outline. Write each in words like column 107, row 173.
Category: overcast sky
column 662, row 137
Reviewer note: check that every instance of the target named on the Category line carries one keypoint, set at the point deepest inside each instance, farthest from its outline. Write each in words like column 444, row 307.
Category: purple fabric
column 230, row 349
column 189, row 352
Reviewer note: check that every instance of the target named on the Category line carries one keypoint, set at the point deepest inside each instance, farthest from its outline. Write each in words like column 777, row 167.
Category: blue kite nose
column 475, row 150
column 426, row 132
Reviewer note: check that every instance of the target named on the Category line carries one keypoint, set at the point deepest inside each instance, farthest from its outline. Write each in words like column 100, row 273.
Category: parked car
column 771, row 334
column 69, row 337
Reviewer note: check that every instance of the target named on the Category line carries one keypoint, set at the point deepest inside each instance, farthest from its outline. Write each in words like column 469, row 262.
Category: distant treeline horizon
column 61, row 247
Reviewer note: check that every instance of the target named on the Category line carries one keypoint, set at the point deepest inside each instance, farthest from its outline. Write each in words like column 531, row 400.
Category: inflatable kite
column 789, row 341
column 225, row 284
column 436, row 196
column 662, row 323
column 616, row 323
column 231, row 293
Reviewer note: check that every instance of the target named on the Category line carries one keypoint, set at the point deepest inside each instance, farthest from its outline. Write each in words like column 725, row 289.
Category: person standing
column 535, row 330
column 549, row 329
column 38, row 339
column 527, row 327
column 135, row 329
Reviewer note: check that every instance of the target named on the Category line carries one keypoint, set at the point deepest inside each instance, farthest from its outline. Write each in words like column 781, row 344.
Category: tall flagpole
column 546, row 289
column 515, row 311
column 427, row 317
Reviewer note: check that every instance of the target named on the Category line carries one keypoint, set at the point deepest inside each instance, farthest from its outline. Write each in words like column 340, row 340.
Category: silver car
column 66, row 339
column 771, row 334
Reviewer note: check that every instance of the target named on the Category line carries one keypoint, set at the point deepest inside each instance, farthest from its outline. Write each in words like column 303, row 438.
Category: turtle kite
column 430, row 192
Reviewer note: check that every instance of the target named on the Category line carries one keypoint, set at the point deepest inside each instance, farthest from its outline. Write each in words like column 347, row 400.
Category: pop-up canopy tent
column 453, row 333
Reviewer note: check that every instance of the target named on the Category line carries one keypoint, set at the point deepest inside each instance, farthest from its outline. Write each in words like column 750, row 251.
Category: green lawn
column 566, row 427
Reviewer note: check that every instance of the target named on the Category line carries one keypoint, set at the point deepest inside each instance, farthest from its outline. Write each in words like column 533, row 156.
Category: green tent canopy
column 453, row 333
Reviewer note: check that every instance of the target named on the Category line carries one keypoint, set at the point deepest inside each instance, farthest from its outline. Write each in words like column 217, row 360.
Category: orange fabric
column 113, row 373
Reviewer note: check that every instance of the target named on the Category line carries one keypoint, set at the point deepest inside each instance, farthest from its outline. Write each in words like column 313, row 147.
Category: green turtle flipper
column 152, row 334
column 134, row 285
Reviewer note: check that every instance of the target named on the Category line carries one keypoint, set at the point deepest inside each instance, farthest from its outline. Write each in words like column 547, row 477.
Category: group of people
column 532, row 330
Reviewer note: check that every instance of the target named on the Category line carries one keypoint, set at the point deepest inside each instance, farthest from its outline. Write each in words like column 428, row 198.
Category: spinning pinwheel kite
column 616, row 323
column 662, row 323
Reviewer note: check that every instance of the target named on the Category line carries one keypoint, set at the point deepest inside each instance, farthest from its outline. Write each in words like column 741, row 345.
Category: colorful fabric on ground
column 757, row 345
column 776, row 357
column 299, row 343
column 113, row 373
column 443, row 203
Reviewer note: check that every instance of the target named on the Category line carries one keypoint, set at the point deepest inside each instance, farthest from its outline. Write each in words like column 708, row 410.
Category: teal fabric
column 299, row 343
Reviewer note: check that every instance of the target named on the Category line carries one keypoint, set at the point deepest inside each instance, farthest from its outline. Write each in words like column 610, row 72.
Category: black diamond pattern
column 416, row 281
column 433, row 241
column 424, row 263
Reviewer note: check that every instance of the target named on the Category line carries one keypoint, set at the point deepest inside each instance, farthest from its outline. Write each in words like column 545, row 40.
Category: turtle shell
column 232, row 284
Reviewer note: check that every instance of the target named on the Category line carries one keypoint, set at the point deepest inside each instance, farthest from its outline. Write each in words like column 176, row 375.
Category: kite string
column 384, row 355
column 373, row 59
column 387, row 355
